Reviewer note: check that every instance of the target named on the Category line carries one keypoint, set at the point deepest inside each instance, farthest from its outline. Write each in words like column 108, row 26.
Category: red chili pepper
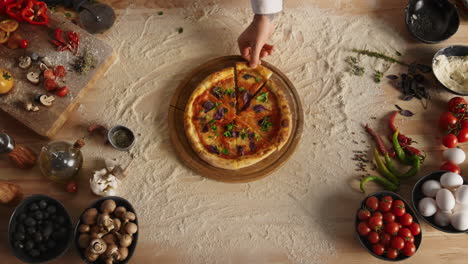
column 35, row 13
column 378, row 140
column 401, row 138
column 412, row 150
column 13, row 10
column 59, row 37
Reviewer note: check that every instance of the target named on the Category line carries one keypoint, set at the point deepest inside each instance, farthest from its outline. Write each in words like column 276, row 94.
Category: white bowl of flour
column 450, row 66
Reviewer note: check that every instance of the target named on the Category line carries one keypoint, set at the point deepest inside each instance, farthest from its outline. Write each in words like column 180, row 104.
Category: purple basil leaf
column 392, row 77
column 247, row 76
column 241, row 150
column 424, row 68
column 208, row 105
column 205, row 128
column 251, row 135
column 407, row 97
column 219, row 114
column 259, row 108
column 406, row 113
column 216, row 91
column 213, row 149
column 246, row 97
column 252, row 146
column 235, row 134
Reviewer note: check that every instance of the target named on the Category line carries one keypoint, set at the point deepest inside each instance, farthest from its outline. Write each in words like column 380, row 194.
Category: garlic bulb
column 103, row 183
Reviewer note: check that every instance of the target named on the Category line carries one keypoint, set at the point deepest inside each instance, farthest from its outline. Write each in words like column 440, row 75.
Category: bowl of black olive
column 40, row 229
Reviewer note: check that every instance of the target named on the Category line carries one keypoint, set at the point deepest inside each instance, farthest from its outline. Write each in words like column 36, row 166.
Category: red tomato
column 388, row 217
column 392, row 228
column 405, row 233
column 50, row 84
column 60, row 71
column 385, row 239
column 378, row 214
column 398, row 208
column 385, row 206
column 406, row 219
column 450, row 166
column 49, row 74
column 397, row 243
column 457, row 105
column 375, row 223
column 463, row 135
column 62, row 91
column 378, row 249
column 447, row 120
column 464, row 123
column 409, row 249
column 415, row 229
column 71, row 187
column 392, row 253
column 373, row 237
column 411, row 239
column 387, row 199
column 450, row 140
column 372, row 203
column 364, row 214
column 363, row 229
column 23, row 43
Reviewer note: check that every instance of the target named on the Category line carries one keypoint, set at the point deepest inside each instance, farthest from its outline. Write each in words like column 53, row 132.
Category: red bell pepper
column 35, row 13
column 4, row 4
column 13, row 10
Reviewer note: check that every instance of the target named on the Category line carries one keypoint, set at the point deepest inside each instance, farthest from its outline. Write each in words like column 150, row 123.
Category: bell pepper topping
column 388, row 185
column 35, row 13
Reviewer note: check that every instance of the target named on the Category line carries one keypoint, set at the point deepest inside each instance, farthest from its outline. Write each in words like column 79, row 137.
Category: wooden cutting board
column 48, row 120
column 254, row 172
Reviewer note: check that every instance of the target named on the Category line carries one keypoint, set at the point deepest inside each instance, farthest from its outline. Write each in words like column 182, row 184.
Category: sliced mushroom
column 47, row 62
column 46, row 100
column 24, row 62
column 97, row 246
column 105, row 222
column 33, row 77
column 30, row 107
column 43, row 67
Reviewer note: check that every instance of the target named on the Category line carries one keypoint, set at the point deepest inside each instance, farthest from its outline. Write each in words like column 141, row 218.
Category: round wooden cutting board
column 190, row 158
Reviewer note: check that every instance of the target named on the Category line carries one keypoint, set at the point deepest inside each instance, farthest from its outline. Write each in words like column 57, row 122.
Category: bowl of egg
column 441, row 199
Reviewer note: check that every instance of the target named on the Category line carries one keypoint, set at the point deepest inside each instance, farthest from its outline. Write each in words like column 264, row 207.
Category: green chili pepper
column 398, row 149
column 416, row 166
column 383, row 169
column 388, row 185
column 390, row 166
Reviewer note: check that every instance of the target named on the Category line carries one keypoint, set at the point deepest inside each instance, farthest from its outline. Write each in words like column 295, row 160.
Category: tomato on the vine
column 373, row 237
column 372, row 203
column 450, row 140
column 464, row 123
column 398, row 208
column 447, row 120
column 364, row 214
column 463, row 135
column 457, row 105
column 363, row 229
column 375, row 223
column 392, row 253
column 406, row 219
column 378, row 249
column 392, row 228
column 405, row 233
column 409, row 249
column 415, row 229
column 388, row 217
column 450, row 166
column 397, row 243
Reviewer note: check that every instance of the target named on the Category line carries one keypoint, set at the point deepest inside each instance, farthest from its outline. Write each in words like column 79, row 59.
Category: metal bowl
column 62, row 244
column 125, row 130
column 417, row 195
column 97, row 204
column 367, row 245
column 431, row 21
column 454, row 50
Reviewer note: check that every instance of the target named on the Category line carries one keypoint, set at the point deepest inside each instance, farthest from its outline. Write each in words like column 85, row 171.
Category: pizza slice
column 269, row 114
column 223, row 87
column 249, row 81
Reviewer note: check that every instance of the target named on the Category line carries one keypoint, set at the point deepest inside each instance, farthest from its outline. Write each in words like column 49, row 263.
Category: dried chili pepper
column 72, row 43
column 35, row 13
column 378, row 140
column 388, row 185
column 412, row 150
column 383, row 169
column 401, row 138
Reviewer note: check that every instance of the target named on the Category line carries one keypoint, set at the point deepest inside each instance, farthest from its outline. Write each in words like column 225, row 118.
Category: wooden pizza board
column 190, row 158
column 47, row 121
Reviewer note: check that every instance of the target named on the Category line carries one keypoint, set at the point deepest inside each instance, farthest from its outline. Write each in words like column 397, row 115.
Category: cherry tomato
column 387, row 199
column 375, row 223
column 447, row 120
column 378, row 214
column 450, row 140
column 392, row 228
column 373, row 237
column 50, row 84
column 463, row 135
column 378, row 249
column 464, row 123
column 409, row 249
column 415, row 229
column 364, row 214
column 385, row 206
column 411, row 239
column 450, row 166
column 372, row 203
column 23, row 43
column 388, row 217
column 49, row 74
column 363, row 229
column 457, row 105
column 392, row 253
column 62, row 91
column 405, row 233
column 397, row 243
column 60, row 71
column 71, row 187
column 406, row 219
column 385, row 239
column 398, row 208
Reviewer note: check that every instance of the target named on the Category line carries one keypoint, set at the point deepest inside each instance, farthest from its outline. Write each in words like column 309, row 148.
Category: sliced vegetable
column 35, row 13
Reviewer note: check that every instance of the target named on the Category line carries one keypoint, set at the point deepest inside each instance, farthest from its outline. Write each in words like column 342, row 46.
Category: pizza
column 237, row 117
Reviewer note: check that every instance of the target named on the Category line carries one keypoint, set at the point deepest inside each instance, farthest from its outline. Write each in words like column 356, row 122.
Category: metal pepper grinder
column 21, row 156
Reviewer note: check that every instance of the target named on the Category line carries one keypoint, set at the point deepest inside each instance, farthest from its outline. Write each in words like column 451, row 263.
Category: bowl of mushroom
column 107, row 231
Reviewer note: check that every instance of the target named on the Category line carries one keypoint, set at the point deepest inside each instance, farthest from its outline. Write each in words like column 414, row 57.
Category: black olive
column 46, row 215
column 31, row 230
column 61, row 220
column 33, row 207
column 20, row 228
column 34, row 253
column 19, row 244
column 20, row 236
column 30, row 221
column 28, row 245
column 39, row 215
column 43, row 204
column 51, row 244
column 42, row 248
column 51, row 209
column 37, row 237
column 22, row 217
column 47, row 231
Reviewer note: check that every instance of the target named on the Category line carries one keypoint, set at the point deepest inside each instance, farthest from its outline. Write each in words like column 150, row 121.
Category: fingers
column 255, row 56
column 245, row 53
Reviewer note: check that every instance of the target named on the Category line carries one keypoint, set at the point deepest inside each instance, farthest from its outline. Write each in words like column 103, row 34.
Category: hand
column 252, row 42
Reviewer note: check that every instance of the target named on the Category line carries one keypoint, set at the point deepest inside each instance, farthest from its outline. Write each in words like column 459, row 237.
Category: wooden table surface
column 436, row 247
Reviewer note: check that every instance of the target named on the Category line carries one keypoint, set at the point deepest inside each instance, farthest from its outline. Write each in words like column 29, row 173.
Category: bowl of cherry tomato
column 387, row 227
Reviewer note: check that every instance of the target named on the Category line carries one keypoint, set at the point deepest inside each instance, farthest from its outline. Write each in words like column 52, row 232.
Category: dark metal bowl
column 431, row 21
column 62, row 245
column 367, row 245
column 97, row 204
column 454, row 50
column 418, row 195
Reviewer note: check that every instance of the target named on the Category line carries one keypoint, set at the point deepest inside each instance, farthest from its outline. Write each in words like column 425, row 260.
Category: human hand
column 252, row 42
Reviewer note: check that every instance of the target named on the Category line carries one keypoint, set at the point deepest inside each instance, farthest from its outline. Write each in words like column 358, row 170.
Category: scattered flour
column 452, row 72
column 294, row 212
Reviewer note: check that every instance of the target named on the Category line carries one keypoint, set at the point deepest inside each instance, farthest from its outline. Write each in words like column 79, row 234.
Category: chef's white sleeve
column 266, row 7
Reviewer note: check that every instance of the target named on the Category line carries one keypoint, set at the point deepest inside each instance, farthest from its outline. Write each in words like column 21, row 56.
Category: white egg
column 462, row 194
column 445, row 200
column 460, row 208
column 454, row 155
column 430, row 188
column 460, row 221
column 442, row 218
column 427, row 207
column 451, row 180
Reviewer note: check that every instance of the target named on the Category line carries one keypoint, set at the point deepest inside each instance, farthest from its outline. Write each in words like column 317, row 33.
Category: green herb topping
column 258, row 79
column 214, row 127
column 263, row 97
column 241, row 89
column 225, row 151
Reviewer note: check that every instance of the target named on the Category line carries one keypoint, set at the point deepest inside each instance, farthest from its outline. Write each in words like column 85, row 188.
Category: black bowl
column 367, row 245
column 97, row 204
column 431, row 21
column 62, row 243
column 418, row 195
column 454, row 50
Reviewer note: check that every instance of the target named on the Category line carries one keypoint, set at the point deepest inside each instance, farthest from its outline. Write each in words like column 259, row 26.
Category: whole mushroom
column 120, row 212
column 97, row 246
column 125, row 240
column 91, row 257
column 90, row 216
column 123, row 253
column 108, row 206
column 84, row 228
column 84, row 240
column 110, row 239
column 105, row 222
column 131, row 228
column 33, row 77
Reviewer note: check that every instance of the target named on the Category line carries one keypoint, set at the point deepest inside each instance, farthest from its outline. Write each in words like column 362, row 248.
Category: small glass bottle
column 60, row 161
